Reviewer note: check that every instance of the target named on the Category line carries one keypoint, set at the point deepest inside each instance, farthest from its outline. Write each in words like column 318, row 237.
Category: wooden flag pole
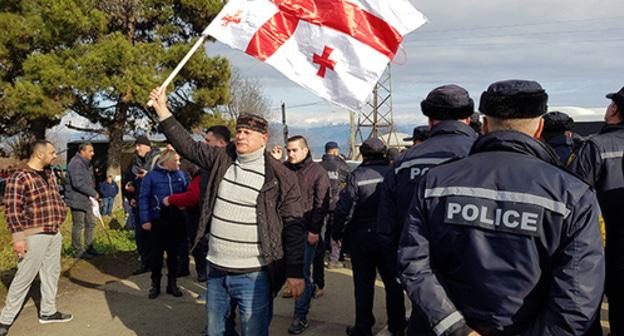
column 179, row 67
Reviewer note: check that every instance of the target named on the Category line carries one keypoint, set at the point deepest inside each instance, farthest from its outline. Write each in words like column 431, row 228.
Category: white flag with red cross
column 338, row 49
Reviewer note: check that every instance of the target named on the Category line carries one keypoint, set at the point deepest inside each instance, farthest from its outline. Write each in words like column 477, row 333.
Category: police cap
column 618, row 98
column 373, row 146
column 514, row 99
column 557, row 122
column 420, row 133
column 448, row 102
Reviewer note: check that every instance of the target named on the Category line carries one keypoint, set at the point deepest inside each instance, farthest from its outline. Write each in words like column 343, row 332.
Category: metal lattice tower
column 376, row 118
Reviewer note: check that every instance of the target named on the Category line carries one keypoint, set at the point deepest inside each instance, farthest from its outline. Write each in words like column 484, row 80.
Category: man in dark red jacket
column 315, row 195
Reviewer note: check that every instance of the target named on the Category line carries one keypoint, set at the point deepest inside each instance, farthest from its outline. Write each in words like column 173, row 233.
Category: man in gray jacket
column 80, row 185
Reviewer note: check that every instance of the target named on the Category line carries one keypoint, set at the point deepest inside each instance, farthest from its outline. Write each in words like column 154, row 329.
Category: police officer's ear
column 486, row 125
column 540, row 129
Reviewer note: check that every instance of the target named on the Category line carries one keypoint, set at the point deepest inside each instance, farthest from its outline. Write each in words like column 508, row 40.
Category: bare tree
column 246, row 96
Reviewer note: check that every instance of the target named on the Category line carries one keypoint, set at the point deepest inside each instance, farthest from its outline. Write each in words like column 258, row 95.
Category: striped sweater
column 234, row 242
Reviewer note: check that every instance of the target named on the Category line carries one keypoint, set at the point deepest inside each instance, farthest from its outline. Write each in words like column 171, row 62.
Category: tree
column 246, row 96
column 100, row 59
column 30, row 29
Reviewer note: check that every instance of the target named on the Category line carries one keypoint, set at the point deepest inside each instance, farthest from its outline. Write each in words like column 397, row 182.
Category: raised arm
column 199, row 153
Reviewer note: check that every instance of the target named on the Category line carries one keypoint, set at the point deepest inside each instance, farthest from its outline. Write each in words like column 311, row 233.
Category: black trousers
column 143, row 240
column 201, row 250
column 614, row 288
column 166, row 236
column 368, row 256
column 318, row 266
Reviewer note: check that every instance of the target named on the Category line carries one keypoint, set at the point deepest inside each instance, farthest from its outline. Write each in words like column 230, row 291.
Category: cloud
column 572, row 47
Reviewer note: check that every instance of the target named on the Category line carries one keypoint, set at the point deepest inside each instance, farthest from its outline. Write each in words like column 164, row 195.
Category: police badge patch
column 510, row 217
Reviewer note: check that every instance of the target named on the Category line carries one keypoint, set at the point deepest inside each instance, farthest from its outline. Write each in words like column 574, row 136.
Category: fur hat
column 448, row 102
column 514, row 99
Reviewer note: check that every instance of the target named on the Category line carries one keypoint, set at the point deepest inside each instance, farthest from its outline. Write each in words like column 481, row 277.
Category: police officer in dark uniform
column 419, row 135
column 599, row 161
column 449, row 109
column 337, row 170
column 558, row 133
column 357, row 208
column 504, row 242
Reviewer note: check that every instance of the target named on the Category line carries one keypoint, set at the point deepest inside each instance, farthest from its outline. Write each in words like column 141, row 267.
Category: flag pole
column 179, row 67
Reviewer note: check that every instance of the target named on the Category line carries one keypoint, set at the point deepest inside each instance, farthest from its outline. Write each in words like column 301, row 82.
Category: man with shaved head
column 34, row 212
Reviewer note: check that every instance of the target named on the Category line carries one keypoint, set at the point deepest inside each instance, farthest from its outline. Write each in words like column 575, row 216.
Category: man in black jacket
column 140, row 165
column 337, row 171
column 79, row 187
column 558, row 134
column 252, row 217
column 504, row 242
column 599, row 161
column 314, row 186
column 357, row 209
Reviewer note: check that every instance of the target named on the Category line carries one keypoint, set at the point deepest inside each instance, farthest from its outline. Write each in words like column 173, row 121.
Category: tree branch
column 85, row 129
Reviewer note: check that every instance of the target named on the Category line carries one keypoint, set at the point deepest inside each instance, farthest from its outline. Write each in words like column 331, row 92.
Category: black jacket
column 337, row 171
column 599, row 161
column 449, row 140
column 563, row 146
column 279, row 212
column 80, row 184
column 357, row 207
column 314, row 187
column 505, row 242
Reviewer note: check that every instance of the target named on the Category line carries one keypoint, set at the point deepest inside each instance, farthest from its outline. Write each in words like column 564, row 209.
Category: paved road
column 108, row 303
column 120, row 307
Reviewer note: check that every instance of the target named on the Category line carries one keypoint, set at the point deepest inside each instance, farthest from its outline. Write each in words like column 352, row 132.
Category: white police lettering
column 333, row 175
column 491, row 215
column 418, row 171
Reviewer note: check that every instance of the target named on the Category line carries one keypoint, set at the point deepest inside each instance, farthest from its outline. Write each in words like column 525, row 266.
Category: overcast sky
column 574, row 48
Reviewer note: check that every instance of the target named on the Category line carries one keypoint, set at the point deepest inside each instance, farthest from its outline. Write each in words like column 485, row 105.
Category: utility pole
column 284, row 125
column 377, row 114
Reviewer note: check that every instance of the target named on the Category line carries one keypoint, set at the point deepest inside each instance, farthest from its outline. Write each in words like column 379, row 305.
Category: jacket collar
column 375, row 162
column 452, row 127
column 83, row 160
column 560, row 140
column 517, row 142
column 327, row 157
column 301, row 165
column 608, row 128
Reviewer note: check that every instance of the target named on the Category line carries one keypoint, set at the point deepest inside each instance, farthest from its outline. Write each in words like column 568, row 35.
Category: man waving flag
column 338, row 49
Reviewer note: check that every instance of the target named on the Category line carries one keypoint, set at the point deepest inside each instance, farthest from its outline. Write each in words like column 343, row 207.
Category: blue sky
column 573, row 48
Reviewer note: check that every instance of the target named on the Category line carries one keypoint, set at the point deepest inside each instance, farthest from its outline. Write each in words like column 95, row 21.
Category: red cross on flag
column 338, row 49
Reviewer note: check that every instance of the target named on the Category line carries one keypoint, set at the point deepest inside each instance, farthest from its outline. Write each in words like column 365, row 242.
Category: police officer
column 558, row 134
column 504, row 242
column 449, row 109
column 358, row 207
column 337, row 170
column 419, row 135
column 599, row 161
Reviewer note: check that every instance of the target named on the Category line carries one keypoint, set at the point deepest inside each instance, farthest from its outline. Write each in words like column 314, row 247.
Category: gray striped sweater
column 234, row 242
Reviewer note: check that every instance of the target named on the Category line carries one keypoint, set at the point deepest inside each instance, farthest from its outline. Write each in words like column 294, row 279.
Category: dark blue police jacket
column 505, row 242
column 357, row 207
column 449, row 140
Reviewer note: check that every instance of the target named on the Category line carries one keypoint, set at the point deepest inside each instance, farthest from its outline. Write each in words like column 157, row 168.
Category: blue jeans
column 107, row 205
column 302, row 304
column 251, row 292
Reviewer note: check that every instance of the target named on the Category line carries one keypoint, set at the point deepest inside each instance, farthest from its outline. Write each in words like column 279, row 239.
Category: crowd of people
column 490, row 223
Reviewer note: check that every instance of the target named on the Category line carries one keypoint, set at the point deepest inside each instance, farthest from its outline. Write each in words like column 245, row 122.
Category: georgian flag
column 338, row 49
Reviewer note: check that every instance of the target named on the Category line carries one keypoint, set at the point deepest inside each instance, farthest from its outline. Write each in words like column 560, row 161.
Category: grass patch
column 122, row 240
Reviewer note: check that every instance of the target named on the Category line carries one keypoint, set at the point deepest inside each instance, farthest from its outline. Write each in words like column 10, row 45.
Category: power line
column 519, row 43
column 520, row 25
column 525, row 34
column 299, row 105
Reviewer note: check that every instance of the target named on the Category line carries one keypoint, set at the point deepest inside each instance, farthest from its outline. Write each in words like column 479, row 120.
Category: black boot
column 155, row 289
column 172, row 288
